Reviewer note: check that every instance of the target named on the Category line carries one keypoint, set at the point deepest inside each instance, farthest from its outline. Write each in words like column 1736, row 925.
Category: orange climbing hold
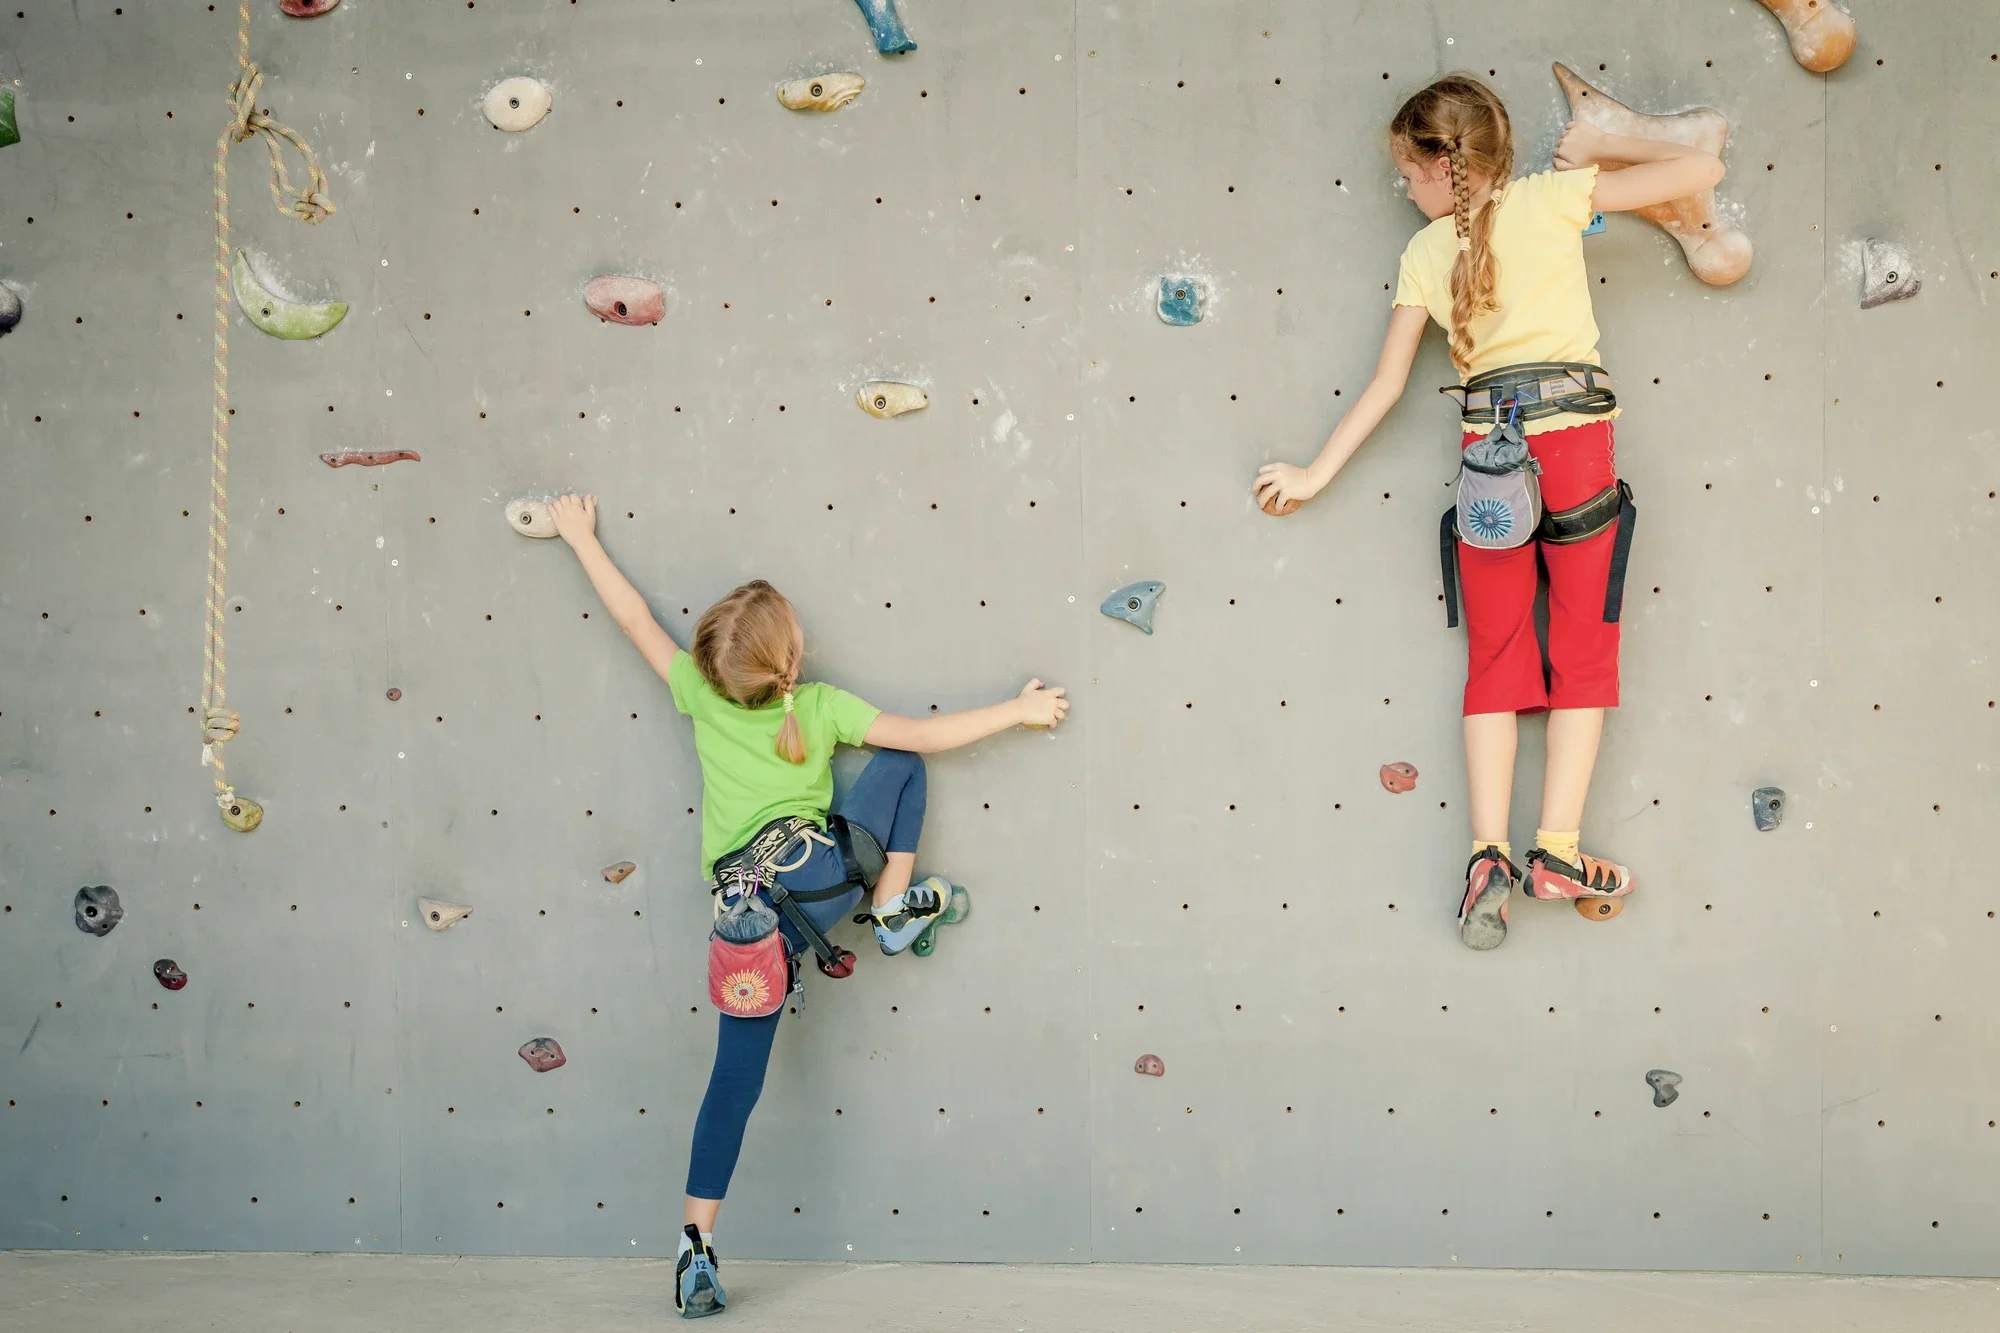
column 1150, row 1064
column 624, row 300
column 617, row 873
column 1821, row 32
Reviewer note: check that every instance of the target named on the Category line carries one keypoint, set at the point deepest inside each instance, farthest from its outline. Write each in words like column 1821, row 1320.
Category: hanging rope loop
column 309, row 204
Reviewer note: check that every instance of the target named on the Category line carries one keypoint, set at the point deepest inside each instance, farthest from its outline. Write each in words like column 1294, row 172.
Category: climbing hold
column 307, row 9
column 1180, row 300
column 1150, row 1064
column 168, row 973
column 625, row 300
column 887, row 25
column 531, row 518
column 371, row 457
column 1596, row 225
column 617, row 873
column 1821, row 32
column 1399, row 777
column 441, row 915
column 10, row 307
column 1666, row 1086
column 1598, row 909
column 517, row 104
column 1134, row 604
column 1767, row 807
column 1279, row 508
column 394, row 694
column 822, row 92
column 240, row 812
column 277, row 316
column 1887, row 274
column 1717, row 253
column 9, row 131
column 887, row 398
column 97, row 910
column 542, row 1055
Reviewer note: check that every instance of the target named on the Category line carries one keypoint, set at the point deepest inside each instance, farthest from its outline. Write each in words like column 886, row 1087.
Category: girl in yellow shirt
column 1500, row 267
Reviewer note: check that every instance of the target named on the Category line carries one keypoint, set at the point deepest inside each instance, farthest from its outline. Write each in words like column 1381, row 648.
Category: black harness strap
column 1448, row 556
column 1621, row 553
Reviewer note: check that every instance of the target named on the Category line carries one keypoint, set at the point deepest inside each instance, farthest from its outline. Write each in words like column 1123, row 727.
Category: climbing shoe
column 1552, row 877
column 697, row 1281
column 909, row 914
column 1482, row 912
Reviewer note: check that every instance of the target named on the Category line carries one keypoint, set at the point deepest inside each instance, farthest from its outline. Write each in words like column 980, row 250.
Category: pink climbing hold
column 542, row 1055
column 169, row 974
column 371, row 457
column 1150, row 1064
column 624, row 300
column 307, row 9
column 1399, row 778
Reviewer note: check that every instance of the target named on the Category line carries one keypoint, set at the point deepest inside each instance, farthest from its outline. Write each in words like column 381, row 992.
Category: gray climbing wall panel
column 1201, row 864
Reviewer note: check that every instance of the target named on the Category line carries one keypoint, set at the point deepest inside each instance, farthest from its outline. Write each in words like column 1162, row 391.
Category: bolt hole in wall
column 1750, row 315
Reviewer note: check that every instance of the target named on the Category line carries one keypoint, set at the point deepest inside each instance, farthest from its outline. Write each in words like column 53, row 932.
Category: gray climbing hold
column 441, row 915
column 531, row 518
column 10, row 307
column 1134, row 604
column 1887, row 274
column 887, row 25
column 97, row 910
column 542, row 1054
column 1666, row 1086
column 1767, row 807
column 1180, row 300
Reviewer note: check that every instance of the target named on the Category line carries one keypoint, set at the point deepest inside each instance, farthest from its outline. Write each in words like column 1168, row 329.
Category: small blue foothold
column 1666, row 1086
column 1180, row 300
column 1134, row 604
column 1767, row 807
column 1596, row 224
column 887, row 25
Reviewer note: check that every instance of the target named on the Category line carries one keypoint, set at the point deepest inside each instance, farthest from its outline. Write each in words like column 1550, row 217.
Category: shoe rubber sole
column 1484, row 926
column 703, row 1300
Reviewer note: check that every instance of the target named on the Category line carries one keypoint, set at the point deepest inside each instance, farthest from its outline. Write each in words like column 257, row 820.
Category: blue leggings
column 887, row 800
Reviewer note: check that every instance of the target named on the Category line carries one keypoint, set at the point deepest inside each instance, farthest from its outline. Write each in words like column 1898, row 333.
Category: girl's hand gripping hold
column 1041, row 706
column 1281, row 488
column 575, row 516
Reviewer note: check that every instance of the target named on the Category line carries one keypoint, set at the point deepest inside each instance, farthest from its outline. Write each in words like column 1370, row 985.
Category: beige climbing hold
column 887, row 398
column 822, row 92
column 1821, row 32
column 617, row 873
column 441, row 915
column 531, row 518
column 240, row 812
column 1717, row 253
column 518, row 104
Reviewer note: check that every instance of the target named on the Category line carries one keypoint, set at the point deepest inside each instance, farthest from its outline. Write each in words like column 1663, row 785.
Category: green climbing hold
column 275, row 315
column 9, row 131
column 959, row 908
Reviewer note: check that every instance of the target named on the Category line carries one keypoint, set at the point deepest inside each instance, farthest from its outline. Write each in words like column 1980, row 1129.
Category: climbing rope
column 310, row 204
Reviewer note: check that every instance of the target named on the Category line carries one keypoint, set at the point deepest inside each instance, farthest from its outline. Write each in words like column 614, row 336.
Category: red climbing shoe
column 1552, row 877
column 1482, row 912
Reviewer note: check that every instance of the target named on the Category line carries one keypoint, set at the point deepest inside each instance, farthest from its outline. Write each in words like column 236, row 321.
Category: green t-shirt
column 745, row 782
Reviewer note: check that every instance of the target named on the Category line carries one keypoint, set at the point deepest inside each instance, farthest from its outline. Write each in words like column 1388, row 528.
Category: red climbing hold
column 307, row 9
column 169, row 974
column 371, row 457
column 1150, row 1064
column 394, row 694
column 542, row 1055
column 625, row 300
column 617, row 873
column 1399, row 778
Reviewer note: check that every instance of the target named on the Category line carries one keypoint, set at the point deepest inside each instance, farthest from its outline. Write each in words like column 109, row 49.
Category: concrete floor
column 312, row 1293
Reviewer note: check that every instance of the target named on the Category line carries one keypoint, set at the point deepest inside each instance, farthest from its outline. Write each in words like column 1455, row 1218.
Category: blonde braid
column 1462, row 295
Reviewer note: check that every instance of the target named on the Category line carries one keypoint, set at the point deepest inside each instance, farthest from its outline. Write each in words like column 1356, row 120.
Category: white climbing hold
column 518, row 104
column 441, row 915
column 821, row 92
column 1887, row 274
column 887, row 398
column 531, row 518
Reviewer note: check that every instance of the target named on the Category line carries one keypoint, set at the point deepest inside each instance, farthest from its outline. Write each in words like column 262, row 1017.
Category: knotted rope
column 219, row 723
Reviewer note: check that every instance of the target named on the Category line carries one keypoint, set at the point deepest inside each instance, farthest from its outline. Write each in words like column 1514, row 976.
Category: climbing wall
column 1202, row 865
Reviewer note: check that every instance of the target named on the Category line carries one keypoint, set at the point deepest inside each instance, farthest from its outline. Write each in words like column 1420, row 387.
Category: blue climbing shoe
column 909, row 914
column 697, row 1281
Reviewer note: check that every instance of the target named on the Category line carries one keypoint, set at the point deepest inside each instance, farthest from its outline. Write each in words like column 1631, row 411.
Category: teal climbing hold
column 1596, row 224
column 1134, row 604
column 9, row 131
column 887, row 25
column 1180, row 300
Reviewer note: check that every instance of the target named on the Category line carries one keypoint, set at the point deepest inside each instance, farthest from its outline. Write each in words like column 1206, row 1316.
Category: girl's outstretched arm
column 1035, row 706
column 1284, row 482
column 576, row 523
column 1636, row 173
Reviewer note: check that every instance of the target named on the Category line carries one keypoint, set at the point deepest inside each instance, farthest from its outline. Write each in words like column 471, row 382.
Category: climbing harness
column 748, row 877
column 219, row 723
column 1499, row 504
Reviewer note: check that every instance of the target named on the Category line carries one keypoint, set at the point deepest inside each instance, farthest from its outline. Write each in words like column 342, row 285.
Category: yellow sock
column 1562, row 846
column 1479, row 846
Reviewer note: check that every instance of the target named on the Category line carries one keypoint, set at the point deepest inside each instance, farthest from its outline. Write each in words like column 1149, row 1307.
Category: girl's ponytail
column 749, row 647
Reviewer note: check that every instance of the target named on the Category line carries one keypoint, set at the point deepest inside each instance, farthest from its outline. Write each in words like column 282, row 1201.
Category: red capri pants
column 1504, row 665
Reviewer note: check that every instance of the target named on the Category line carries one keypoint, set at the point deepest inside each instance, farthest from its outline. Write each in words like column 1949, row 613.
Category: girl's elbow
column 1716, row 171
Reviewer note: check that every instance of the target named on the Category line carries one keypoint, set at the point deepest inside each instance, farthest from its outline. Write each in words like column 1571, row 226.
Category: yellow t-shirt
column 1541, row 287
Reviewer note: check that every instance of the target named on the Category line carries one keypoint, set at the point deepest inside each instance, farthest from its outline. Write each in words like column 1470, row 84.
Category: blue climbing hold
column 1767, row 807
column 887, row 25
column 1180, row 300
column 1596, row 224
column 1134, row 604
